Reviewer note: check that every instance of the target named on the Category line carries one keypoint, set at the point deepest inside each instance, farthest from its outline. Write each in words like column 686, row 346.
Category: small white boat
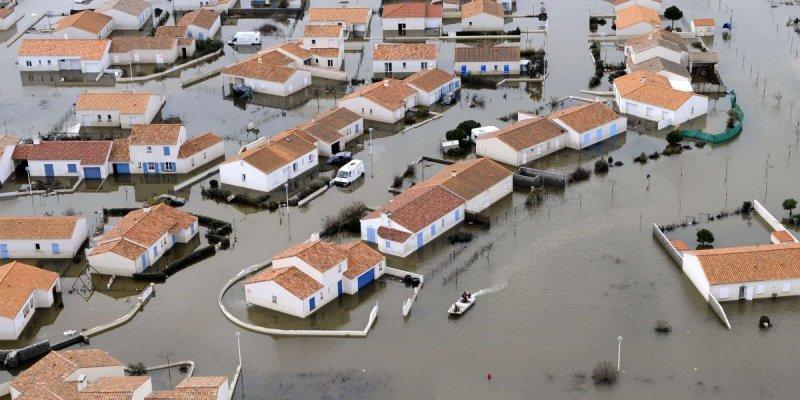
column 462, row 305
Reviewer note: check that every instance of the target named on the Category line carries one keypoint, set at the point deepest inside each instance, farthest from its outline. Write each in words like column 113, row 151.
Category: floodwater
column 574, row 272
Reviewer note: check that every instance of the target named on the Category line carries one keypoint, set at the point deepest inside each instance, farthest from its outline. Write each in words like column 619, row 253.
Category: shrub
column 421, row 111
column 397, row 182
column 601, row 166
column 594, row 81
column 674, row 138
column 592, row 27
column 789, row 205
column 410, row 171
column 614, row 75
column 747, row 207
column 733, row 118
column 663, row 327
column 267, row 29
column 705, row 237
column 654, row 155
column 641, row 158
column 71, row 212
column 283, row 4
column 673, row 14
column 213, row 183
column 280, row 18
column 605, row 373
column 208, row 46
column 347, row 219
column 726, row 35
column 463, row 131
column 579, row 174
column 136, row 369
column 697, row 45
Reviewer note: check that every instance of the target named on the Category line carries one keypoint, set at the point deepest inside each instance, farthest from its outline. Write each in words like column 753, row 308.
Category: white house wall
column 482, row 23
column 299, row 80
column 474, row 68
column 203, row 157
column 679, row 57
column 412, row 24
column 261, row 294
column 255, row 179
column 758, row 290
column 370, row 110
column 51, row 63
column 638, row 29
column 402, row 66
column 6, row 163
column 145, row 56
column 67, row 247
column 128, row 22
column 442, row 225
column 490, row 196
column 75, row 33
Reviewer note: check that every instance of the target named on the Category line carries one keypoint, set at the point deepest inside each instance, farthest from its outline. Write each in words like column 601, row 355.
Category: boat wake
column 496, row 288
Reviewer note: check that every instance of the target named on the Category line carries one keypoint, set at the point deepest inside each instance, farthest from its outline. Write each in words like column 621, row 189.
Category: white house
column 482, row 16
column 25, row 288
column 403, row 17
column 386, row 101
column 140, row 238
column 389, row 58
column 703, row 26
column 412, row 219
column 636, row 20
column 522, row 142
column 677, row 74
column 164, row 149
column 306, row 276
column 431, row 84
column 86, row 55
column 87, row 159
column 186, row 47
column 7, row 145
column 117, row 387
column 333, row 129
column 746, row 272
column 352, row 19
column 623, row 4
column 200, row 24
column 589, row 124
column 196, row 387
column 480, row 182
column 267, row 163
column 159, row 50
column 84, row 25
column 117, row 109
column 484, row 60
column 269, row 72
column 219, row 6
column 34, row 237
column 326, row 44
column 649, row 96
column 656, row 44
column 64, row 368
column 7, row 17
column 130, row 15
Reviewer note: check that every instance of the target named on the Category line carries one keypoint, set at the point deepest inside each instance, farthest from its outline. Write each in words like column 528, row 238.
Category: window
column 458, row 215
column 275, row 299
column 169, row 166
column 423, row 65
column 155, row 251
column 495, row 67
column 294, row 166
column 56, row 248
column 244, row 177
column 388, row 244
column 166, row 150
column 470, row 23
column 99, row 117
column 340, row 268
column 37, row 246
column 28, row 63
column 404, row 65
column 313, row 41
column 149, row 149
column 26, row 310
column 108, row 117
column 40, row 62
column 330, row 63
column 787, row 286
column 139, row 165
column 151, row 166
column 310, row 158
column 72, row 168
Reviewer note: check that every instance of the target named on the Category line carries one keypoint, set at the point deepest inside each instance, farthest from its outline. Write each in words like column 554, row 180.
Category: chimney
column 36, row 139
column 259, row 60
column 385, row 83
column 644, row 80
column 314, row 237
column 385, row 217
column 82, row 382
column 146, row 210
column 453, row 174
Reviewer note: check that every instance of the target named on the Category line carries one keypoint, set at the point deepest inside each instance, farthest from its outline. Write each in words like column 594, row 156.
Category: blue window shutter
column 72, row 168
column 166, row 150
column 458, row 215
column 56, row 249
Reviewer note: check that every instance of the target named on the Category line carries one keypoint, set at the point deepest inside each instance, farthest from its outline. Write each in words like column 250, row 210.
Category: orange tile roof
column 330, row 52
column 636, row 14
column 472, row 177
column 290, row 278
column 704, row 22
column 88, row 152
column 354, row 15
column 86, row 49
column 783, row 236
column 282, row 149
column 124, row 102
column 139, row 229
column 262, row 68
column 405, row 51
column 430, row 79
column 17, row 282
column 750, row 263
column 419, row 206
column 320, row 255
column 155, row 134
column 320, row 30
column 632, row 81
column 202, row 18
column 120, row 152
column 130, row 7
column 476, row 7
column 360, row 257
column 336, row 118
column 171, row 31
column 412, row 10
column 59, row 365
column 389, row 93
column 198, row 144
column 526, row 133
column 395, row 235
column 124, row 44
column 36, row 228
column 649, row 88
column 109, row 387
column 486, row 53
column 658, row 37
column 584, row 117
column 88, row 21
column 618, row 2
column 52, row 391
column 322, row 132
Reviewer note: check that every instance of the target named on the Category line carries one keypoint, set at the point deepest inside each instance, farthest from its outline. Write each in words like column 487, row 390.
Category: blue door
column 339, row 288
column 585, row 139
column 419, row 240
column 91, row 173
column 4, row 251
column 156, row 165
column 371, row 235
column 483, row 68
column 312, row 304
column 366, row 278
column 458, row 215
column 599, row 134
column 123, row 168
column 144, row 260
column 506, row 69
column 463, row 70
column 433, row 230
column 613, row 129
column 56, row 248
column 48, row 171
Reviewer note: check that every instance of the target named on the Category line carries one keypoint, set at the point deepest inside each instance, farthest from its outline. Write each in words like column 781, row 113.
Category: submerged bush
column 605, row 373
column 579, row 174
column 601, row 166
column 663, row 326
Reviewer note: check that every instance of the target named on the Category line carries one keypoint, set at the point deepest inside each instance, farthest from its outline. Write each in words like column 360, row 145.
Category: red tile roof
column 86, row 49
column 88, row 21
column 37, row 227
column 351, row 15
column 394, row 235
column 155, row 134
column 277, row 151
column 750, row 263
column 430, row 79
column 584, row 117
column 320, row 30
column 472, row 177
column 360, row 257
column 405, row 51
column 120, row 152
column 704, row 22
column 198, row 144
column 412, row 10
column 124, row 102
column 320, row 255
column 290, row 278
column 389, row 93
column 59, row 365
column 17, row 282
column 88, row 152
column 526, row 133
column 202, row 18
column 476, row 7
column 419, row 206
column 783, row 236
column 636, row 14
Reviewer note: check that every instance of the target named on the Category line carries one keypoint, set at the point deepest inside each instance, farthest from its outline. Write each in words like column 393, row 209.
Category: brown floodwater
column 572, row 272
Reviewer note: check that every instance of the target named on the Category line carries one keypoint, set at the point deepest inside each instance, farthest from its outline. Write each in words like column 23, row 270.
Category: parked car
column 245, row 39
column 349, row 173
column 340, row 158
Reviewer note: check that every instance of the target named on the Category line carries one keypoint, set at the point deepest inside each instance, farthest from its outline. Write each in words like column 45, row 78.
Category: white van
column 245, row 39
column 349, row 173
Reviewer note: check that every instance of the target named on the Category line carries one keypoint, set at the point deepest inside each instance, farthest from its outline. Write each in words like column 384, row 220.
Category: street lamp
column 619, row 351
column 371, row 163
column 30, row 188
column 288, row 221
column 239, row 347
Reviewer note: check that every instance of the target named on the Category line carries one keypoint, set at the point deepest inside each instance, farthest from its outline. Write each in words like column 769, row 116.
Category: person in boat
column 464, row 297
column 456, row 309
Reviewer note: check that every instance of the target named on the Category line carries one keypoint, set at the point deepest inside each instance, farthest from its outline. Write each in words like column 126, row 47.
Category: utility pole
column 288, row 221
column 619, row 351
column 371, row 163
